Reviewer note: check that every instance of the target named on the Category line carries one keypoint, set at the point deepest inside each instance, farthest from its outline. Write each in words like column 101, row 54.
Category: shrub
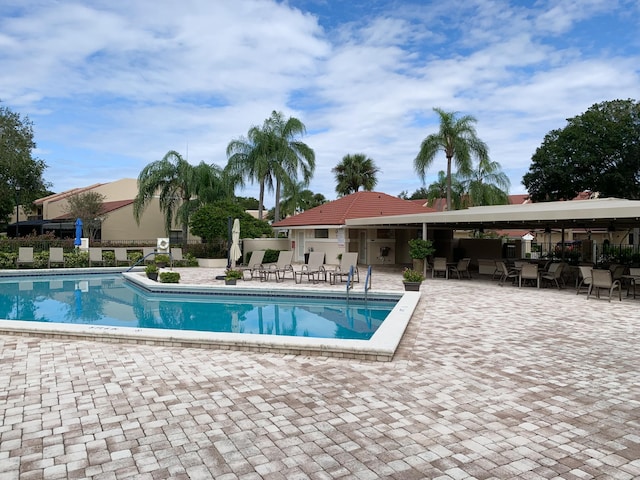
column 232, row 274
column 169, row 277
column 419, row 248
column 411, row 275
column 76, row 259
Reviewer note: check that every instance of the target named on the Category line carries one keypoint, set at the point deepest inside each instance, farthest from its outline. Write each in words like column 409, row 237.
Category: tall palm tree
column 487, row 185
column 180, row 186
column 249, row 158
column 288, row 156
column 458, row 140
column 355, row 171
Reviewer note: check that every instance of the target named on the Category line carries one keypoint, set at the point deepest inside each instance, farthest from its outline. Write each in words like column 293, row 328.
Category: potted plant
column 152, row 271
column 162, row 260
column 419, row 250
column 412, row 279
column 231, row 275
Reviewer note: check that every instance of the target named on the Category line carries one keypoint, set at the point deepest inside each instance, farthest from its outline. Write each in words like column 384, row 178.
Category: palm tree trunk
column 448, row 183
column 261, row 200
column 276, row 215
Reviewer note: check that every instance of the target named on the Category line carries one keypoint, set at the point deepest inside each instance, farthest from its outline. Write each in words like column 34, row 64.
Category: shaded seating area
column 279, row 269
column 314, row 270
column 56, row 256
column 254, row 265
column 341, row 272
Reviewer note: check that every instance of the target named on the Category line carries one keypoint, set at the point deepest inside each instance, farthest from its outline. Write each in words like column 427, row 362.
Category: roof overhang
column 595, row 213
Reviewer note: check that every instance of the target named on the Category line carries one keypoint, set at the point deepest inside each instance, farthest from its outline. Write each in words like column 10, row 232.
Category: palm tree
column 248, row 158
column 438, row 190
column 288, row 156
column 353, row 172
column 180, row 186
column 458, row 140
column 487, row 185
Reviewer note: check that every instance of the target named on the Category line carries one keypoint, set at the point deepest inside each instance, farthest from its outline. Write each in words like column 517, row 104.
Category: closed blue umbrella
column 78, row 241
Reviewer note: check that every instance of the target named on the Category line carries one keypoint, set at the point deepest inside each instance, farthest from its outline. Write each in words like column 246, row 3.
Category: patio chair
column 56, row 256
column 461, row 269
column 25, row 256
column 440, row 267
column 554, row 274
column 584, row 278
column 176, row 256
column 603, row 279
column 95, row 256
column 314, row 269
column 341, row 272
column 254, row 265
column 280, row 268
column 121, row 256
column 506, row 273
column 529, row 271
column 617, row 271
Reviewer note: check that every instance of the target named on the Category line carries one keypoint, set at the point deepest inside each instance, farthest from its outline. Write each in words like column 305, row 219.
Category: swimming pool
column 110, row 300
column 380, row 346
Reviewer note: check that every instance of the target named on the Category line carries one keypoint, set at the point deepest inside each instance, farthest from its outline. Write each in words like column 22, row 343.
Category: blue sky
column 112, row 86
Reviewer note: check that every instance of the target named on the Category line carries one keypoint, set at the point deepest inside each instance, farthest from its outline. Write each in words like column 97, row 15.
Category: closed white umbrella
column 235, row 252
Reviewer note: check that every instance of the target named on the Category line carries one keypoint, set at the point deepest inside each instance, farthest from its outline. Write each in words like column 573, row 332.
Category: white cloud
column 112, row 87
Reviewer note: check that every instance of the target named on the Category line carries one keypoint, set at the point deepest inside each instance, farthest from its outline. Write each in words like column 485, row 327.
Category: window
column 321, row 233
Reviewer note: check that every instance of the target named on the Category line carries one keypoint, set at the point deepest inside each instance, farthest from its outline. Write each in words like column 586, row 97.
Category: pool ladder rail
column 367, row 282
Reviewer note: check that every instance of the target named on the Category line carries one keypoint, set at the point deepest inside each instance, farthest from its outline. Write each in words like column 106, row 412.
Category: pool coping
column 380, row 347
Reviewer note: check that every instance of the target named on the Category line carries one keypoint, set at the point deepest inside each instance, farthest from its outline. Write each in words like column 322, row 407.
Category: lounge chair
column 176, row 256
column 254, row 265
column 506, row 273
column 440, row 267
column 603, row 279
column 280, row 268
column 584, row 278
column 95, row 256
column 314, row 269
column 56, row 256
column 25, row 256
column 461, row 269
column 121, row 256
column 149, row 254
column 341, row 272
column 529, row 271
column 554, row 274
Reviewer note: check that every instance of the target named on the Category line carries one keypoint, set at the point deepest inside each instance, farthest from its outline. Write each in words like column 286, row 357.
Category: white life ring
column 163, row 244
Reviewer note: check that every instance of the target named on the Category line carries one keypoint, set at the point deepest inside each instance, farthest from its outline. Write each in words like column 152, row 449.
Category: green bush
column 169, row 277
column 8, row 260
column 76, row 259
column 190, row 260
column 41, row 259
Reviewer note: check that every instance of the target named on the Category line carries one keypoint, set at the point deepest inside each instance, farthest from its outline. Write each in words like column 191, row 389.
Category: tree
column 271, row 154
column 21, row 179
column 486, row 185
column 248, row 158
column 458, row 140
column 289, row 156
column 210, row 222
column 353, row 172
column 180, row 186
column 88, row 207
column 439, row 189
column 297, row 199
column 598, row 150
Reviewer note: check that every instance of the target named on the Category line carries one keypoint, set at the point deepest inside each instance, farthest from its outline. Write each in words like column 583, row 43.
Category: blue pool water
column 112, row 301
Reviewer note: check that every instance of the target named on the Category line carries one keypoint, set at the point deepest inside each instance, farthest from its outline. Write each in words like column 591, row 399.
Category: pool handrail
column 142, row 260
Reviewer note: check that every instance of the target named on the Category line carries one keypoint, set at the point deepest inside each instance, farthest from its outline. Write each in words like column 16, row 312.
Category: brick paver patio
column 489, row 382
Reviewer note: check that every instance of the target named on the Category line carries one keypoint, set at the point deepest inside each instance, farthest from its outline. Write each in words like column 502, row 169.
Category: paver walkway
column 489, row 382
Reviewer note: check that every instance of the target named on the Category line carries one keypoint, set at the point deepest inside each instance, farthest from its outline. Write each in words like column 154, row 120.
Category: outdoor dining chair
column 602, row 279
column 506, row 273
column 554, row 274
column 529, row 272
column 461, row 269
column 440, row 267
column 584, row 278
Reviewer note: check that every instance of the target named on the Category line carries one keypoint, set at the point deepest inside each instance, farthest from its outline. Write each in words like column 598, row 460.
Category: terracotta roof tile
column 106, row 208
column 356, row 205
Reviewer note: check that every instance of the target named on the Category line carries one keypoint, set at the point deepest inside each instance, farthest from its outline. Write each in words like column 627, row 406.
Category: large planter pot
column 412, row 286
column 153, row 276
column 231, row 281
